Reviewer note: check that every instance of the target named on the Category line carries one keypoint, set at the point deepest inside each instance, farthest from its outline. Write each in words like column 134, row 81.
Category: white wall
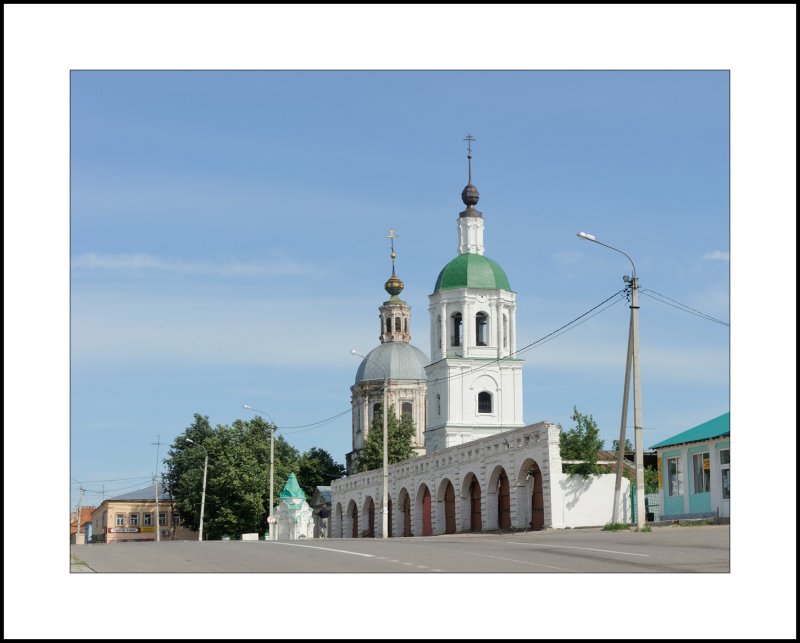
column 588, row 501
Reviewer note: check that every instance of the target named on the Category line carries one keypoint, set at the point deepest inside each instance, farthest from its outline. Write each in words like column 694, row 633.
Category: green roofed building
column 473, row 313
column 293, row 516
column 694, row 471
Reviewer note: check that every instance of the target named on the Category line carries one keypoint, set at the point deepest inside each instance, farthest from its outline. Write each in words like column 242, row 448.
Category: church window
column 397, row 324
column 505, row 331
column 388, row 325
column 481, row 329
column 457, row 329
column 484, row 402
column 405, row 326
column 376, row 410
column 407, row 409
column 439, row 330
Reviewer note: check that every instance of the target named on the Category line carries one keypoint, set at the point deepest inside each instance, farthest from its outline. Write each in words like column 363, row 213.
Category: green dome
column 472, row 271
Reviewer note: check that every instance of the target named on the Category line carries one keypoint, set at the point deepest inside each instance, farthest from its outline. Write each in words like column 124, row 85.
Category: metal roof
column 395, row 360
column 472, row 271
column 715, row 428
column 147, row 493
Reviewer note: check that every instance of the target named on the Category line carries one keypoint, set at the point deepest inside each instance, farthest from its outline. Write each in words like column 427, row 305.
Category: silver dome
column 399, row 361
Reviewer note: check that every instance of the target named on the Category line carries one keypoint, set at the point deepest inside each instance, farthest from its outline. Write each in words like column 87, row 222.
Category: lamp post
column 385, row 500
column 271, row 460
column 632, row 363
column 203, row 498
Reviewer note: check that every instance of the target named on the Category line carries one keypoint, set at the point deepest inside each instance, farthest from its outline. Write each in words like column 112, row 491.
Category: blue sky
column 228, row 241
column 176, row 245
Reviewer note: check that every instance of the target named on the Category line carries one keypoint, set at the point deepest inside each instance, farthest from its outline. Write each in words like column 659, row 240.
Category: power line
column 111, row 480
column 568, row 326
column 552, row 335
column 683, row 307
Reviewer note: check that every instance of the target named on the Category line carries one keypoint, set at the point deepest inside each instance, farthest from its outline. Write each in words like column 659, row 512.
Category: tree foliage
column 237, row 485
column 401, row 434
column 581, row 443
column 317, row 467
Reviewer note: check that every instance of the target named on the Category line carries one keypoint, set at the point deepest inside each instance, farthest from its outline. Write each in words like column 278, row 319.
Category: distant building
column 132, row 517
column 694, row 471
column 81, row 536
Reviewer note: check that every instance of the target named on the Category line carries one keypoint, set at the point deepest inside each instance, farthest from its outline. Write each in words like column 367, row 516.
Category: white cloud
column 139, row 263
column 718, row 254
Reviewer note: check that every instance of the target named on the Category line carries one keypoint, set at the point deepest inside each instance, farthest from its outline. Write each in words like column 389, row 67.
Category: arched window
column 438, row 404
column 484, row 402
column 376, row 410
column 439, row 330
column 481, row 329
column 457, row 329
column 405, row 326
column 505, row 331
column 397, row 324
column 407, row 412
column 388, row 325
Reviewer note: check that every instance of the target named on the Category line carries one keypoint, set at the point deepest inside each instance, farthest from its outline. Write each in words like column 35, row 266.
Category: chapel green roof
column 715, row 428
column 472, row 271
column 292, row 489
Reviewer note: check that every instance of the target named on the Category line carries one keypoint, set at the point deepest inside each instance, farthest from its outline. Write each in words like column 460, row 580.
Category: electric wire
column 542, row 340
column 680, row 306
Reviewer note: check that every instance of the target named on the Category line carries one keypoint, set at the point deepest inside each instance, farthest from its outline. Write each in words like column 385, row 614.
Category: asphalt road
column 665, row 549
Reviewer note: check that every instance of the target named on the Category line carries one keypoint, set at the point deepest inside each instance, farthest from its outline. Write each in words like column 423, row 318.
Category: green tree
column 401, row 433
column 581, row 443
column 237, row 485
column 650, row 480
column 317, row 467
column 628, row 446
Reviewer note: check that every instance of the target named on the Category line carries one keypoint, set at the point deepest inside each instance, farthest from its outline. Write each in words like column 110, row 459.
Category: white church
column 478, row 466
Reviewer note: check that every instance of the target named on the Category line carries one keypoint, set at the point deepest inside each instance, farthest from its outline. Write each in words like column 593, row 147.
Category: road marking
column 341, row 551
column 522, row 562
column 606, row 551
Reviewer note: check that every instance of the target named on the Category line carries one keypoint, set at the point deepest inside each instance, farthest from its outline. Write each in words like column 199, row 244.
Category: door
column 427, row 529
column 537, row 500
column 475, row 505
column 503, row 502
column 449, row 509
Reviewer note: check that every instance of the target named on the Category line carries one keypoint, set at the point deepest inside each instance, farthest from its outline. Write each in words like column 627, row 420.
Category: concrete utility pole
column 623, row 425
column 158, row 522
column 632, row 363
column 637, row 406
column 78, row 518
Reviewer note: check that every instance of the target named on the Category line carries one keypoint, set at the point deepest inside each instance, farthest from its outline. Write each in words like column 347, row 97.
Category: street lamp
column 203, row 499
column 632, row 362
column 385, row 501
column 271, row 460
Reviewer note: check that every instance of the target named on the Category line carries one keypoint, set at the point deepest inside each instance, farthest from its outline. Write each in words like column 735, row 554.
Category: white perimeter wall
column 588, row 501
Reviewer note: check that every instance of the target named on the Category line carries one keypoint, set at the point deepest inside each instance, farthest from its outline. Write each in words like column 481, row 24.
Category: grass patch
column 646, row 529
column 74, row 560
column 616, row 526
column 694, row 523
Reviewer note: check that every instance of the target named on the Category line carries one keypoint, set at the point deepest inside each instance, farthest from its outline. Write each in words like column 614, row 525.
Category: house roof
column 716, row 428
column 147, row 493
column 86, row 516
